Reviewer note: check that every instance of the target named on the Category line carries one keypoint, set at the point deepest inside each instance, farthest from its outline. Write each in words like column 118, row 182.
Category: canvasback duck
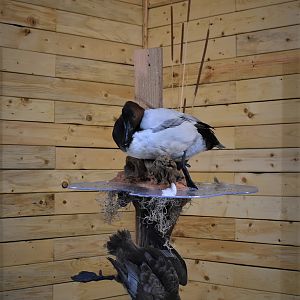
column 150, row 133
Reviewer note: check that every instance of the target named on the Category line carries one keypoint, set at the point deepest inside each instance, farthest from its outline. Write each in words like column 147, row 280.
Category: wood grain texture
column 262, row 160
column 24, row 276
column 37, row 293
column 29, row 86
column 26, row 109
column 60, row 226
column 89, row 159
column 64, row 44
column 40, row 181
column 247, row 4
column 27, row 157
column 273, row 256
column 254, row 278
column 30, row 133
column 107, row 9
column 283, row 14
column 83, row 69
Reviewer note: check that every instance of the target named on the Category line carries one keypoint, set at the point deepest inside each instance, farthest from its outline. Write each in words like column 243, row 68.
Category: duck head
column 127, row 124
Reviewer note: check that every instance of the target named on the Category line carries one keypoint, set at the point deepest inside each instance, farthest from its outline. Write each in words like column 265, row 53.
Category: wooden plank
column 27, row 157
column 246, row 230
column 269, row 88
column 24, row 228
column 226, row 136
column 43, row 181
column 148, row 77
column 37, row 293
column 90, row 70
column 247, row 4
column 87, row 114
column 29, row 86
column 19, row 205
column 217, row 49
column 107, row 9
column 208, row 94
column 262, row 65
column 21, row 253
column 25, row 109
column 209, row 177
column 271, row 184
column 283, row 111
column 268, row 136
column 205, row 227
column 199, row 9
column 49, row 273
column 263, row 160
column 85, row 158
column 197, row 290
column 272, row 232
column 82, row 246
column 274, row 16
column 89, row 291
column 64, row 44
column 98, row 28
column 155, row 3
column 251, row 207
column 254, row 278
column 21, row 61
column 271, row 40
column 30, row 133
column 273, row 256
column 27, row 15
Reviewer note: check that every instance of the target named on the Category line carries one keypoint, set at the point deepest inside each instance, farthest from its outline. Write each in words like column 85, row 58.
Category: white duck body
column 166, row 132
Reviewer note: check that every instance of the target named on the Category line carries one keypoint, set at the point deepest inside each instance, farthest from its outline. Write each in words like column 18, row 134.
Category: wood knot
column 65, row 184
column 89, row 117
column 31, row 21
column 244, row 179
column 26, row 31
column 250, row 115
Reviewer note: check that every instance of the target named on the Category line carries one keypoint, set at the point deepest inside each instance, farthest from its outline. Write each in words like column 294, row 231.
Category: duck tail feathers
column 220, row 146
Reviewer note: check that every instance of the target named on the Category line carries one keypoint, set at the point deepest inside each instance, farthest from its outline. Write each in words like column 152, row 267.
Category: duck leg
column 186, row 173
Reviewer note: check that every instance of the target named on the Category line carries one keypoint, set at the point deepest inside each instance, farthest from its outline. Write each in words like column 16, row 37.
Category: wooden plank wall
column 240, row 247
column 66, row 70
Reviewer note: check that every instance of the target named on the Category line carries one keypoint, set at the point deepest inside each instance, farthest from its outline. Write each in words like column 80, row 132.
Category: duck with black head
column 150, row 133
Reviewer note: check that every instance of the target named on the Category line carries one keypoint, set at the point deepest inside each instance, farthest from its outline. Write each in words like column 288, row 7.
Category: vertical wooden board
column 255, row 278
column 20, row 61
column 29, row 252
column 98, row 28
column 30, row 133
column 29, row 86
column 155, row 3
column 277, row 184
column 262, row 160
column 197, row 290
column 247, row 4
column 271, row 232
column 37, row 293
column 27, row 15
column 268, row 88
column 208, row 94
column 283, row 111
column 41, row 227
column 268, row 136
column 25, row 109
column 84, row 69
column 203, row 227
column 21, row 205
column 216, row 49
column 82, row 246
column 148, row 76
column 263, row 255
column 108, row 9
column 199, row 9
column 87, row 114
column 64, row 44
column 250, row 207
column 25, row 276
column 39, row 181
column 27, row 157
column 271, row 40
column 85, row 158
column 88, row 291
